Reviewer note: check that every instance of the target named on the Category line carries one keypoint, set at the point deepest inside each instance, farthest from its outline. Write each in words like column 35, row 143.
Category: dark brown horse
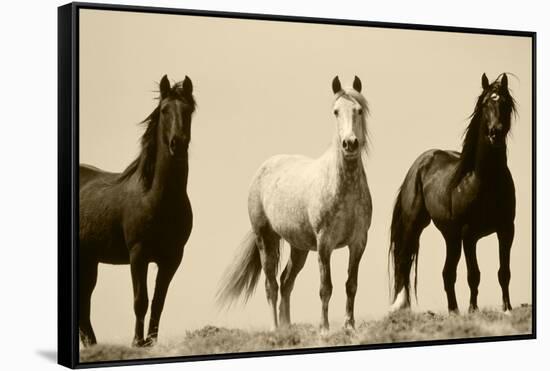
column 141, row 216
column 467, row 195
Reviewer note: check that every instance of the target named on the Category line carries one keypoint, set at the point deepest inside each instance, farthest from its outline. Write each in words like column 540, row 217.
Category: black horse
column 141, row 216
column 467, row 195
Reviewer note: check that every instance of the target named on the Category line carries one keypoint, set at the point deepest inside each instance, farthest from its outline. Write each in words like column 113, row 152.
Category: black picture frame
column 68, row 160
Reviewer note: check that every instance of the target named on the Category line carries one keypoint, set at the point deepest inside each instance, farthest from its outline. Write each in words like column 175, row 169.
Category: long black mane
column 148, row 140
column 471, row 134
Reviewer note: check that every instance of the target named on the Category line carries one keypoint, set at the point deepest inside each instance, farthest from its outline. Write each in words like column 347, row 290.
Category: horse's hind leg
column 288, row 277
column 405, row 250
column 355, row 253
column 409, row 219
column 505, row 238
column 268, row 245
column 88, row 279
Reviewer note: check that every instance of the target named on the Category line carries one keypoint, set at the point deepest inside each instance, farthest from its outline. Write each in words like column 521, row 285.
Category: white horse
column 315, row 205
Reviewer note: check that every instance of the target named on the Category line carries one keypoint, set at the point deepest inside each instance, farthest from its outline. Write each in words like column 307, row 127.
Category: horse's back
column 89, row 172
column 275, row 165
column 280, row 172
column 435, row 157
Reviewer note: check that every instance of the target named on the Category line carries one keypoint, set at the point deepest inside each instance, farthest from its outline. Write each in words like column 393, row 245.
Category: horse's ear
column 164, row 87
column 484, row 81
column 504, row 81
column 357, row 84
column 187, row 86
column 336, row 86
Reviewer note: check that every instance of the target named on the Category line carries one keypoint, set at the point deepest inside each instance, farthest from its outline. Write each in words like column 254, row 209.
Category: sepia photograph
column 260, row 186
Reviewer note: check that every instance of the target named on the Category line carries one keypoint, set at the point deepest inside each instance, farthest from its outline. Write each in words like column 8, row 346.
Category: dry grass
column 396, row 327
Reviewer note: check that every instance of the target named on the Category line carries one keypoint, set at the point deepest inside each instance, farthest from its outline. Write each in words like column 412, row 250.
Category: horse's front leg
column 355, row 253
column 505, row 238
column 165, row 274
column 138, row 268
column 324, row 252
column 454, row 250
column 469, row 244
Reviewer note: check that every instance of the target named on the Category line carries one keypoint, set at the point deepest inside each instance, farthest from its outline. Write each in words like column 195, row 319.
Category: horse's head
column 175, row 109
column 350, row 110
column 495, row 107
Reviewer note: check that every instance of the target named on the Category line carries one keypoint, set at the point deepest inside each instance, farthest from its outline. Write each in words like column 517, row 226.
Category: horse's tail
column 242, row 276
column 406, row 225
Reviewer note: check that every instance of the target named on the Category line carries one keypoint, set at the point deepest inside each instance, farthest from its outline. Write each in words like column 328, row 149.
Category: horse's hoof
column 349, row 325
column 88, row 343
column 285, row 325
column 401, row 302
column 323, row 331
column 454, row 312
column 473, row 309
column 507, row 309
column 398, row 308
column 149, row 342
column 138, row 343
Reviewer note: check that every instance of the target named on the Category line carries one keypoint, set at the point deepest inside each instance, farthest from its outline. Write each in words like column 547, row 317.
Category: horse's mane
column 356, row 96
column 148, row 140
column 471, row 134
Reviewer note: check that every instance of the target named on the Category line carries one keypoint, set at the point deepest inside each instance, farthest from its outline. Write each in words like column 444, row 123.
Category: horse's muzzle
column 350, row 145
column 496, row 137
column 178, row 147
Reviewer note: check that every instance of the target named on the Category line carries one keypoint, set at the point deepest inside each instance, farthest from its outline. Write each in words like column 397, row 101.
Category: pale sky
column 264, row 88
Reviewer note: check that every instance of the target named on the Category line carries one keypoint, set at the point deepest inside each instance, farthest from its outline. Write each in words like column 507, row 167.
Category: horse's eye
column 495, row 96
column 335, row 112
column 360, row 111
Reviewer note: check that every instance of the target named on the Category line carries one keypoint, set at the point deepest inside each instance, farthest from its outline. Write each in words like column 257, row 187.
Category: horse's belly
column 114, row 255
column 101, row 239
column 295, row 230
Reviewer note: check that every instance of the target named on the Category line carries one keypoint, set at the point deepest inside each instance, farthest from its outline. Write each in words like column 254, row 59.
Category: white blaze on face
column 348, row 114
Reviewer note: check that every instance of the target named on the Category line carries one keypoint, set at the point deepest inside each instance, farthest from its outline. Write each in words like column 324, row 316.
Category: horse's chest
column 345, row 219
column 161, row 229
column 487, row 209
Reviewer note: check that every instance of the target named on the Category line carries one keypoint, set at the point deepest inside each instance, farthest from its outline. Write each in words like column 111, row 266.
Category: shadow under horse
column 468, row 195
column 142, row 215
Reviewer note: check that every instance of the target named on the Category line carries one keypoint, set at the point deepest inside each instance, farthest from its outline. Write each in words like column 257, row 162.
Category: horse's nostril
column 350, row 145
column 175, row 147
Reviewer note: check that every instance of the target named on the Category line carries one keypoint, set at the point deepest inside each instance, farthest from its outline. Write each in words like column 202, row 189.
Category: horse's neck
column 169, row 180
column 489, row 162
column 343, row 176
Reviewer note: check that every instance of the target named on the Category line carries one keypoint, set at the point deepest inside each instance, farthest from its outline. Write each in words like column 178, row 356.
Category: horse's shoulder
column 281, row 164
